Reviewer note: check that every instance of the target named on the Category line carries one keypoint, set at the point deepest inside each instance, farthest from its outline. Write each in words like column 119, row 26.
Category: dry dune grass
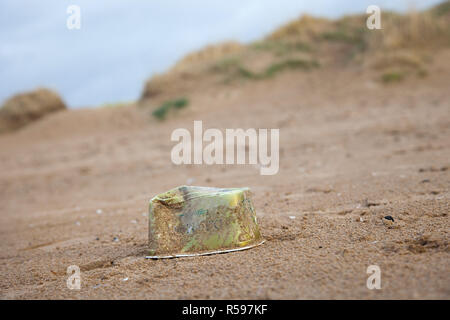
column 407, row 43
column 186, row 73
column 416, row 30
column 306, row 28
column 24, row 108
column 208, row 54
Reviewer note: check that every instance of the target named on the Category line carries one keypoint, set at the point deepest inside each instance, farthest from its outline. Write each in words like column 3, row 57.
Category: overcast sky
column 121, row 43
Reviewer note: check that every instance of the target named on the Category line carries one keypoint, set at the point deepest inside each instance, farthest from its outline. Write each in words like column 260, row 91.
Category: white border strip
column 203, row 253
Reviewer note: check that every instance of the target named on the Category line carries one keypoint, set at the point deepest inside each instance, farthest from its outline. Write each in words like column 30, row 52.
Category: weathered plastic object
column 190, row 221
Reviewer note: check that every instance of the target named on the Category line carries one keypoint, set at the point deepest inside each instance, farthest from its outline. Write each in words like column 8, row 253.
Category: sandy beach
column 75, row 186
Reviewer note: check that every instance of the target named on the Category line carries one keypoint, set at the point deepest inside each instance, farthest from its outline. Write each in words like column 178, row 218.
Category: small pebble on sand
column 388, row 221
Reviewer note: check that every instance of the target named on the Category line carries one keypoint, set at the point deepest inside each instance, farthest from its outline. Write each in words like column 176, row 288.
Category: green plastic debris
column 190, row 221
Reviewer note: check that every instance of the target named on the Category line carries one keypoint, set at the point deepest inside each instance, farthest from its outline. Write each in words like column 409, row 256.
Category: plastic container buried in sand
column 191, row 221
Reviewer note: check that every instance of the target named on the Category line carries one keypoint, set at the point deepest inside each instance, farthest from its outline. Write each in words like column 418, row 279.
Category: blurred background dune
column 121, row 44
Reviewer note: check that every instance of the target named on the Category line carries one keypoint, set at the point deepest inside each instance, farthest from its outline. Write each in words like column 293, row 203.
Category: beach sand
column 75, row 186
